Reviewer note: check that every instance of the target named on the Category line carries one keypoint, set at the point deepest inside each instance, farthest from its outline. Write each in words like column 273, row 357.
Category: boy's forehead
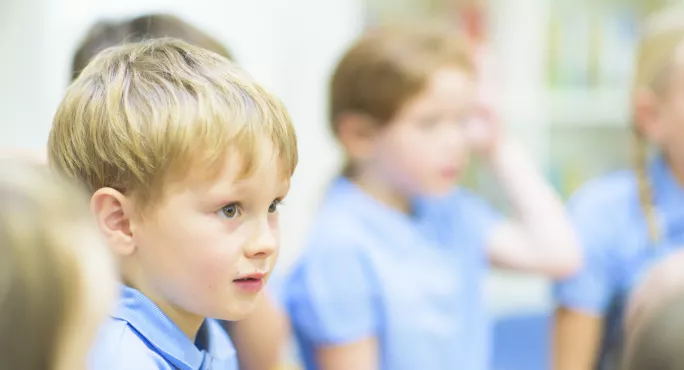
column 244, row 172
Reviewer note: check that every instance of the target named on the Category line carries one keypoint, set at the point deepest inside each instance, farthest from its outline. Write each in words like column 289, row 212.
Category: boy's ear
column 112, row 212
column 356, row 133
column 646, row 115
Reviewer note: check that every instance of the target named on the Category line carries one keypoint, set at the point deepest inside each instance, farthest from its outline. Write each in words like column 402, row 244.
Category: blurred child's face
column 424, row 150
column 94, row 300
column 662, row 117
column 209, row 248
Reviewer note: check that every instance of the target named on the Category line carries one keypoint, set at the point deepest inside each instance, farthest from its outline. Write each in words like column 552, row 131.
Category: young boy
column 259, row 338
column 187, row 159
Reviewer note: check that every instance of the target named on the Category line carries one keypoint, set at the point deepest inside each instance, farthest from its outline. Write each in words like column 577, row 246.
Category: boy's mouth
column 251, row 283
column 247, row 279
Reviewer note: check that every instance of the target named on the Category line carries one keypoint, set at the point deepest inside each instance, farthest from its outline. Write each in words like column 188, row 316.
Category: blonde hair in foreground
column 657, row 344
column 662, row 34
column 41, row 265
column 143, row 114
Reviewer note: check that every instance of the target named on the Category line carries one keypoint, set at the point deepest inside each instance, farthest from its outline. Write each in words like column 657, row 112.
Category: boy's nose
column 264, row 245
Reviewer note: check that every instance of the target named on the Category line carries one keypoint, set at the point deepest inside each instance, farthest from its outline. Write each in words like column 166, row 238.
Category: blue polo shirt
column 140, row 336
column 612, row 228
column 415, row 282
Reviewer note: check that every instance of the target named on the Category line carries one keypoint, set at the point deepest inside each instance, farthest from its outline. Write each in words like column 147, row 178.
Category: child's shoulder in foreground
column 138, row 336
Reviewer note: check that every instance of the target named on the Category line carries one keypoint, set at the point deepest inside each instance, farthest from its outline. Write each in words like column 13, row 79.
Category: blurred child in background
column 662, row 281
column 654, row 323
column 57, row 279
column 629, row 219
column 657, row 345
column 187, row 159
column 393, row 274
column 260, row 337
column 105, row 34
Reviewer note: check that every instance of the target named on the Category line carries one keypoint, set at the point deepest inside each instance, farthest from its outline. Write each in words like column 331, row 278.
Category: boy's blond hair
column 390, row 65
column 141, row 115
column 41, row 272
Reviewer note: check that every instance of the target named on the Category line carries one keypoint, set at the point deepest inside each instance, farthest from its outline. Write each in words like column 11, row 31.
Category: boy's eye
column 230, row 211
column 274, row 206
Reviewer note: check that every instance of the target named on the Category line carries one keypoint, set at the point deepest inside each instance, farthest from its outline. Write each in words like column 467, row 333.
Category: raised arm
column 540, row 238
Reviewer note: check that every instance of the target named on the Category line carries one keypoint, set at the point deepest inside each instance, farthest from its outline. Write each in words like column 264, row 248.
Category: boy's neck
column 383, row 192
column 187, row 322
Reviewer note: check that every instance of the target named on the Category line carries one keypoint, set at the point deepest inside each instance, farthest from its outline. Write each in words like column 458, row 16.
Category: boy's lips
column 255, row 275
column 250, row 283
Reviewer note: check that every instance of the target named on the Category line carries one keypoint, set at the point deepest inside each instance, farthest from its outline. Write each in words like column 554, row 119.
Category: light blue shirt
column 612, row 228
column 413, row 282
column 139, row 336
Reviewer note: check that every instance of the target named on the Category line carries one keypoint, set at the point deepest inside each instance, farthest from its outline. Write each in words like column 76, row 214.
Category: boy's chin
column 240, row 308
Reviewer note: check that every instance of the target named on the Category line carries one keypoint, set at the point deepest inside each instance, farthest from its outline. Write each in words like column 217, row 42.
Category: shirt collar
column 669, row 197
column 158, row 330
column 667, row 189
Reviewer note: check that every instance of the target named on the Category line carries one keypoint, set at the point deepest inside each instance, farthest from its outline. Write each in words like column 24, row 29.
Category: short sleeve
column 331, row 294
column 591, row 289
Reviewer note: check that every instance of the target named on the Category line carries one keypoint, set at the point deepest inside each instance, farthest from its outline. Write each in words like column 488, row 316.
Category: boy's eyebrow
column 241, row 187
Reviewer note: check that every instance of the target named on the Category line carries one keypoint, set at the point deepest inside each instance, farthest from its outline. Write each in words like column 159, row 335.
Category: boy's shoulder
column 119, row 346
column 139, row 336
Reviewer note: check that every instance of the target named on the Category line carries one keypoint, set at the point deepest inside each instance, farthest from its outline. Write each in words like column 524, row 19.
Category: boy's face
column 208, row 249
column 424, row 150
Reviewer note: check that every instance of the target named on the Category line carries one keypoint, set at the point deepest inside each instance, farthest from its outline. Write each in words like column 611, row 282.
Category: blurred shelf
column 588, row 107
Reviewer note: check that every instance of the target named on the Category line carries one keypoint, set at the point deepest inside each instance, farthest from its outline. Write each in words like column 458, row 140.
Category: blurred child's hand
column 483, row 132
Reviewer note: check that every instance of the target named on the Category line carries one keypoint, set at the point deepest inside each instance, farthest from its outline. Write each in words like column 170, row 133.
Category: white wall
column 22, row 95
